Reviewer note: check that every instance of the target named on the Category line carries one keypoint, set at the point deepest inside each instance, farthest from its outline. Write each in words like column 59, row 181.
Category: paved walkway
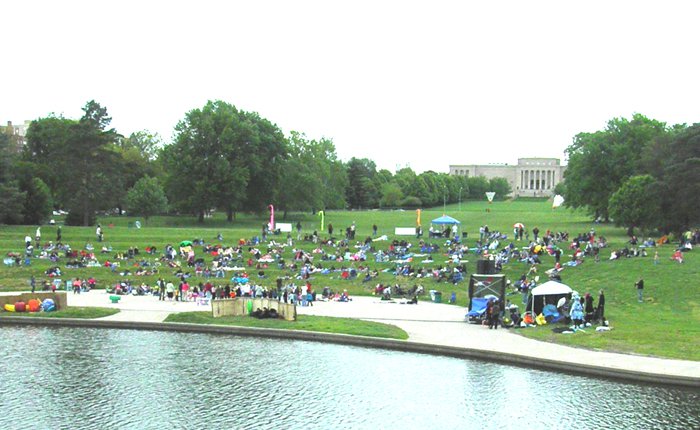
column 428, row 323
column 134, row 308
column 440, row 324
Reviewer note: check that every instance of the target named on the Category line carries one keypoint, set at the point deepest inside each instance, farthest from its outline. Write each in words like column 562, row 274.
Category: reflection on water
column 118, row 379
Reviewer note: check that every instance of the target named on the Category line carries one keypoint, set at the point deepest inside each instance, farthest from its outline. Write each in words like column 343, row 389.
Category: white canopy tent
column 550, row 291
column 551, row 288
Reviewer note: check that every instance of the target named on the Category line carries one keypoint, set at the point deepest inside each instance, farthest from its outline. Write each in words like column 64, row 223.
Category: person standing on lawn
column 495, row 315
column 601, row 307
column 161, row 289
column 640, row 290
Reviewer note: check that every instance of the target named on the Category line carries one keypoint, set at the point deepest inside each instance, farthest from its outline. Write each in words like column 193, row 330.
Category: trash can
column 437, row 297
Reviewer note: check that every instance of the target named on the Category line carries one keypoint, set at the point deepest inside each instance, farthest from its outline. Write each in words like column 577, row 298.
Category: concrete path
column 439, row 324
column 427, row 323
column 137, row 316
column 134, row 308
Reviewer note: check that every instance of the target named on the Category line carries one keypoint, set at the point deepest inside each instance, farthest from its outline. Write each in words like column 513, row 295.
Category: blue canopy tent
column 445, row 219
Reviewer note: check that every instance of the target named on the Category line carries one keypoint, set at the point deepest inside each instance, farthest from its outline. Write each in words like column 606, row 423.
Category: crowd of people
column 217, row 270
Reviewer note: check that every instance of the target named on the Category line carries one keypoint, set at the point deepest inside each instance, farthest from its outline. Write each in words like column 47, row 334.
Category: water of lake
column 120, row 379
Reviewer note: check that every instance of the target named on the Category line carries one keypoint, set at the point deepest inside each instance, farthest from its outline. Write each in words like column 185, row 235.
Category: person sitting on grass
column 677, row 256
column 515, row 316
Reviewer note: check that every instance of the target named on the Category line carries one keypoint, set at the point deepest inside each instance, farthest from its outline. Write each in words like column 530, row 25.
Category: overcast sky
column 424, row 84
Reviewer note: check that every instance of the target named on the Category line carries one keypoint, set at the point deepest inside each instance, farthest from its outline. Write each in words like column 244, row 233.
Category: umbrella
column 186, row 243
column 557, row 201
column 518, row 225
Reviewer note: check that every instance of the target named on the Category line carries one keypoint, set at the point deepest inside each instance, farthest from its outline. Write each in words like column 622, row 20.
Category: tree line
column 221, row 158
column 639, row 172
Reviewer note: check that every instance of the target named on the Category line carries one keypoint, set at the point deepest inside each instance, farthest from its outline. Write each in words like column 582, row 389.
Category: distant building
column 18, row 132
column 531, row 177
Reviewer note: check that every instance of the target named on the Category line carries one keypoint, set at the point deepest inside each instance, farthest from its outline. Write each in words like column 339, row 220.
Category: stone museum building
column 531, row 177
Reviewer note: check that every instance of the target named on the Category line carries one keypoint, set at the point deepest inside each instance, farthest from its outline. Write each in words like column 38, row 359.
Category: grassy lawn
column 673, row 337
column 70, row 312
column 665, row 325
column 303, row 322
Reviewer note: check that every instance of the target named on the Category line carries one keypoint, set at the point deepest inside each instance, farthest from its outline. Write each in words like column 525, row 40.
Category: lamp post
column 444, row 200
column 460, row 199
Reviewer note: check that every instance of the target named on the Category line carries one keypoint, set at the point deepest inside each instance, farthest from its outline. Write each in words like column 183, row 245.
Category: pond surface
column 120, row 379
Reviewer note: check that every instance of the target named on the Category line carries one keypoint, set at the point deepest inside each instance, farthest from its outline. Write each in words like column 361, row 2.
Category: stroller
column 477, row 311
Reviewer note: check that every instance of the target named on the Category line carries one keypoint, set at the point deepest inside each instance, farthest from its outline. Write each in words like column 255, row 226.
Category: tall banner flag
column 323, row 216
column 418, row 217
column 272, row 217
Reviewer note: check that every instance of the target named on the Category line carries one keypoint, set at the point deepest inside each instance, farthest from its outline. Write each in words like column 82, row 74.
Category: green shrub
column 411, row 202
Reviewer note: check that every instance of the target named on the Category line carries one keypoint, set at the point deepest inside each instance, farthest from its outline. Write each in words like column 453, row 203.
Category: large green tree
column 77, row 160
column 636, row 204
column 301, row 187
column 137, row 159
column 337, row 184
column 477, row 185
column 419, row 188
column 404, row 179
column 147, row 143
column 600, row 162
column 263, row 153
column 362, row 191
column 89, row 163
column 208, row 163
column 391, row 195
column 501, row 187
column 312, row 177
column 436, row 189
column 384, row 177
column 680, row 181
column 458, row 186
column 147, row 198
column 38, row 204
column 47, row 141
column 11, row 197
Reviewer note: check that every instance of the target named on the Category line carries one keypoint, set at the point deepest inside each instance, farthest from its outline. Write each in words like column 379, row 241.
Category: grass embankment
column 70, row 312
column 303, row 322
column 665, row 325
column 159, row 231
